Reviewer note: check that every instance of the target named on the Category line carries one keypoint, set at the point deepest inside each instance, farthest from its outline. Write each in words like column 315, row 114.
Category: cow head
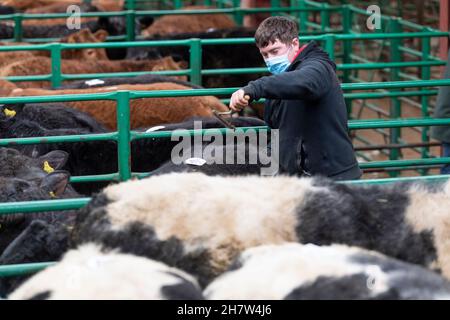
column 168, row 63
column 15, row 164
column 86, row 36
column 13, row 189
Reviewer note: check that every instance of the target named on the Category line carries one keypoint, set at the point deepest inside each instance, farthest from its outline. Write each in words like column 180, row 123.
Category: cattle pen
column 390, row 80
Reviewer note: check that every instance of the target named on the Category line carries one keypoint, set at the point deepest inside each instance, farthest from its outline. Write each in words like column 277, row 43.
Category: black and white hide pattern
column 311, row 272
column 89, row 273
column 200, row 223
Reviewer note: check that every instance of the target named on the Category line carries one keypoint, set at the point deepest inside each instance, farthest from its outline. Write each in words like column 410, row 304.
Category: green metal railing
column 131, row 15
column 301, row 10
column 195, row 72
column 196, row 45
column 304, row 8
column 123, row 136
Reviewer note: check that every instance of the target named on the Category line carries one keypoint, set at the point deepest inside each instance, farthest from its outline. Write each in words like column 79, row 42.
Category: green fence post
column 329, row 45
column 275, row 4
column 292, row 4
column 55, row 55
column 347, row 23
column 303, row 16
column 324, row 18
column 238, row 14
column 178, row 4
column 131, row 5
column 124, row 136
column 426, row 75
column 395, row 109
column 195, row 61
column 18, row 28
column 130, row 25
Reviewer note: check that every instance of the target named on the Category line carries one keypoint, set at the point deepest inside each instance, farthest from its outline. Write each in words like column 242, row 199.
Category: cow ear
column 84, row 32
column 53, row 160
column 55, row 183
column 101, row 35
column 70, row 39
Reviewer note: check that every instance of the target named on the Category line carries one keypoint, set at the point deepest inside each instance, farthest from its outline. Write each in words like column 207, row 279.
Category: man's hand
column 239, row 100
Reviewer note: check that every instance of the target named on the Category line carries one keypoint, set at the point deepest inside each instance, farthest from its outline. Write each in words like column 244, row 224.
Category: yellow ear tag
column 9, row 113
column 47, row 167
column 52, row 194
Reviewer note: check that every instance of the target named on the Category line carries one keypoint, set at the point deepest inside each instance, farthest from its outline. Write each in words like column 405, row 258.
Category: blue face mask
column 278, row 64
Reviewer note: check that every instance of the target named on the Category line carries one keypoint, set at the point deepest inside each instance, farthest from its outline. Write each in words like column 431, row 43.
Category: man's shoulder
column 315, row 66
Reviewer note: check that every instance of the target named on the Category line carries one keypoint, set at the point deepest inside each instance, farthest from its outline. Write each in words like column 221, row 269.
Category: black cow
column 96, row 157
column 142, row 79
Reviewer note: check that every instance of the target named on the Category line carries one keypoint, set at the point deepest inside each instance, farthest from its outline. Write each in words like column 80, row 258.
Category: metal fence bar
column 124, row 138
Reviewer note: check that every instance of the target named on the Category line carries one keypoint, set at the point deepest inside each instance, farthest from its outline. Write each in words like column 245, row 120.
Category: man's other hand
column 239, row 100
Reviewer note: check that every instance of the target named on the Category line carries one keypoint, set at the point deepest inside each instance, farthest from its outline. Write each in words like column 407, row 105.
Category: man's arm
column 311, row 82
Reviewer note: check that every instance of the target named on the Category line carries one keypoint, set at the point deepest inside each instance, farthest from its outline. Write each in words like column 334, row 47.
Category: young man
column 304, row 101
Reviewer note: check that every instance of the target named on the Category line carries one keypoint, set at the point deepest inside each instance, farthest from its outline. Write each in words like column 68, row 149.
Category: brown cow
column 6, row 88
column 85, row 36
column 144, row 112
column 172, row 24
column 30, row 4
column 54, row 8
column 82, row 36
column 42, row 65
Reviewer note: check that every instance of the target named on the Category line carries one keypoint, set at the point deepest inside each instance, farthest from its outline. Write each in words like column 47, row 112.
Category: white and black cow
column 200, row 223
column 88, row 273
column 310, row 272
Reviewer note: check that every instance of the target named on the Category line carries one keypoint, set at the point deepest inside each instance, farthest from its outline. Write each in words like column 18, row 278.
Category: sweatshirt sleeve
column 309, row 83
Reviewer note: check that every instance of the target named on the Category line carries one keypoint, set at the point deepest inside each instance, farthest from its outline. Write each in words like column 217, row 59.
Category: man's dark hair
column 273, row 28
